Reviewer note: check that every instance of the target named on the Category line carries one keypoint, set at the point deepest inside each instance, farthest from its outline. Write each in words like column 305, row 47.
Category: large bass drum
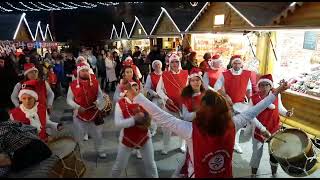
column 294, row 151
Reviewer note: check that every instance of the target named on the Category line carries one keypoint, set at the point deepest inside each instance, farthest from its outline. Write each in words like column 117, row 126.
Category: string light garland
column 31, row 9
column 53, row 6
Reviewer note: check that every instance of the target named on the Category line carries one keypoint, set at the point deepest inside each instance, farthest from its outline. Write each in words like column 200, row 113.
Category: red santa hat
column 28, row 87
column 195, row 72
column 214, row 58
column 82, row 66
column 129, row 58
column 235, row 58
column 127, row 63
column 81, row 58
column 174, row 56
column 29, row 67
column 154, row 63
column 266, row 78
column 123, row 91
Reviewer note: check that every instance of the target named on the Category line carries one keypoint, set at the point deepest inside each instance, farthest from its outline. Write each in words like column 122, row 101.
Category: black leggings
column 30, row 154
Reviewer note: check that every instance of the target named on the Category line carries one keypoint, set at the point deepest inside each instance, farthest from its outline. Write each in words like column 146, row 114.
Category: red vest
column 193, row 102
column 19, row 115
column 52, row 78
column 154, row 80
column 133, row 137
column 212, row 154
column 253, row 80
column 236, row 85
column 269, row 118
column 174, row 84
column 85, row 96
column 213, row 75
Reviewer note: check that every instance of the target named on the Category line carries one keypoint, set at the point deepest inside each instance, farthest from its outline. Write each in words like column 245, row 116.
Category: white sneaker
column 139, row 156
column 86, row 137
column 153, row 132
column 237, row 148
column 102, row 155
column 183, row 148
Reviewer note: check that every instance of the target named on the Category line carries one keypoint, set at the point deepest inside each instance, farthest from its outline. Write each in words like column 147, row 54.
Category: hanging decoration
column 54, row 6
column 194, row 4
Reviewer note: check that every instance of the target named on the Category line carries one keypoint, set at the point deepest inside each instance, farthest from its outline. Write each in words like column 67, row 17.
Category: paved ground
column 98, row 168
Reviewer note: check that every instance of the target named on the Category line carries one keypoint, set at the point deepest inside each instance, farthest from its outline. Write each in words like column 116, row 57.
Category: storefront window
column 299, row 60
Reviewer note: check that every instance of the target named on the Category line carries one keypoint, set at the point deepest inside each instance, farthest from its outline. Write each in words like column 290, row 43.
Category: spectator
column 110, row 73
column 137, row 56
column 119, row 64
column 69, row 66
column 145, row 67
column 53, row 82
column 92, row 59
column 204, row 65
column 154, row 55
column 101, row 65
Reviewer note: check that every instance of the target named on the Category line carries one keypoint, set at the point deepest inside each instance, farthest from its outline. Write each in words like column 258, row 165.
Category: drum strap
column 136, row 145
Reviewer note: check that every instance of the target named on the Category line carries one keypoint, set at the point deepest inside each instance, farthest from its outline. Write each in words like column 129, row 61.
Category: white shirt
column 148, row 85
column 220, row 81
column 184, row 128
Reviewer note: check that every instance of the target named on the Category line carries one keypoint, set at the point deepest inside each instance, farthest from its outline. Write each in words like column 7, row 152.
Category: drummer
column 270, row 119
column 151, row 88
column 236, row 86
column 210, row 137
column 131, row 136
column 31, row 112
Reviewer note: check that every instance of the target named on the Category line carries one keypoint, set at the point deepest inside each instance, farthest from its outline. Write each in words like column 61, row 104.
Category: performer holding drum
column 85, row 95
column 235, row 85
column 134, row 121
column 169, row 88
column 270, row 119
column 150, row 87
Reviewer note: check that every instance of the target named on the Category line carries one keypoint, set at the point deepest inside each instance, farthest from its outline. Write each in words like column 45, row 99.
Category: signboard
column 310, row 40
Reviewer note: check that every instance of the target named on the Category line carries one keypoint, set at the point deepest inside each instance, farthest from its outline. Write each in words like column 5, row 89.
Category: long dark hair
column 188, row 91
column 134, row 77
column 214, row 115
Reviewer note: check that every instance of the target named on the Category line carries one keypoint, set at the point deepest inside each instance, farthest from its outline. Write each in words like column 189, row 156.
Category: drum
column 294, row 151
column 108, row 107
column 70, row 164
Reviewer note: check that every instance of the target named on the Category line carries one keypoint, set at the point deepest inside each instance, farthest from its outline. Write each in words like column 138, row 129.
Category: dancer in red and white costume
column 214, row 71
column 235, row 85
column 134, row 67
column 132, row 137
column 127, row 73
column 31, row 112
column 85, row 95
column 169, row 88
column 210, row 136
column 270, row 119
column 43, row 89
column 151, row 86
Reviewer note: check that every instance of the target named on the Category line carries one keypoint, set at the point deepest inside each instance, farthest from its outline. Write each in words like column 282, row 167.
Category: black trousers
column 30, row 154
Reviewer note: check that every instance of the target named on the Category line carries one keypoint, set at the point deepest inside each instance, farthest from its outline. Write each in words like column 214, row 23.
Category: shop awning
column 244, row 15
column 15, row 27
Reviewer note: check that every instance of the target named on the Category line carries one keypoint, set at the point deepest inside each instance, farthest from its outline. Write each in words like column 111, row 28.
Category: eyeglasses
column 264, row 85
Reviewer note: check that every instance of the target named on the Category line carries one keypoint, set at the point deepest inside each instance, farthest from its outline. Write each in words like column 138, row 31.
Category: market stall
column 298, row 50
column 168, row 28
column 139, row 33
column 212, row 30
column 124, row 38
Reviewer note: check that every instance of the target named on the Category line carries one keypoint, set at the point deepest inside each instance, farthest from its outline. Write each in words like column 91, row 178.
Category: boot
column 274, row 169
column 254, row 172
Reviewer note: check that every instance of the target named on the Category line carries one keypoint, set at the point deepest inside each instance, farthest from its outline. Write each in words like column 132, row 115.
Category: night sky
column 93, row 25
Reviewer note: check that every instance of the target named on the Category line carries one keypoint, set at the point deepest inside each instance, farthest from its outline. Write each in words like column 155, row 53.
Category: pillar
column 265, row 53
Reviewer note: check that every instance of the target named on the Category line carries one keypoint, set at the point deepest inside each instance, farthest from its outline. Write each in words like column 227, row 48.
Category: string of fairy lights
column 53, row 6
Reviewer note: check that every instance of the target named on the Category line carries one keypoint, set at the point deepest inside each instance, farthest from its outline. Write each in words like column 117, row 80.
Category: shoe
column 237, row 148
column 164, row 152
column 274, row 175
column 183, row 149
column 102, row 155
column 153, row 133
column 86, row 137
column 253, row 175
column 139, row 154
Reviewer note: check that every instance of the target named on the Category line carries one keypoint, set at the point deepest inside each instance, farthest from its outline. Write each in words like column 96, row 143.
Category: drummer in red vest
column 211, row 135
column 132, row 136
column 151, row 86
column 213, row 72
column 46, row 95
column 236, row 86
column 270, row 119
column 85, row 95
column 31, row 112
column 79, row 60
column 169, row 88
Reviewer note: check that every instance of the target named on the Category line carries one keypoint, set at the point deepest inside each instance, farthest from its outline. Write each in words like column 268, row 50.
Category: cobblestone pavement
column 98, row 168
